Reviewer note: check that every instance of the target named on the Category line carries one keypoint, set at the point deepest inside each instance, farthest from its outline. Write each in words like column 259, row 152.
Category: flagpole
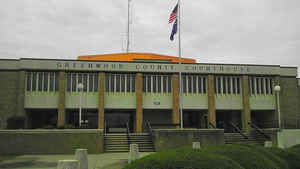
column 128, row 8
column 179, row 53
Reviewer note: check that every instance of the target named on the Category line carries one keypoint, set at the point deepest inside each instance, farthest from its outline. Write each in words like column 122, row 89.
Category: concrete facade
column 202, row 99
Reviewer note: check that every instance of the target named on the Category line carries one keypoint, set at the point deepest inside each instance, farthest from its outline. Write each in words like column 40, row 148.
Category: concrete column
column 211, row 100
column 133, row 153
column 139, row 103
column 21, row 97
column 196, row 145
column 81, row 156
column 61, row 99
column 246, row 112
column 68, row 164
column 175, row 92
column 101, row 82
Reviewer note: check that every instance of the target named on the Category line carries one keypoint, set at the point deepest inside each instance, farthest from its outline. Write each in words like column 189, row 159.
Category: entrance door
column 116, row 121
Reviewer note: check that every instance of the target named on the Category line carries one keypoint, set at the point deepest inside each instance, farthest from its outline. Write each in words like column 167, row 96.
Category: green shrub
column 291, row 158
column 247, row 158
column 277, row 160
column 295, row 149
column 184, row 160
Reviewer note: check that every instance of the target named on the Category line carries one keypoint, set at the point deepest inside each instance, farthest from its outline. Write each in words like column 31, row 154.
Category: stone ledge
column 53, row 131
column 189, row 130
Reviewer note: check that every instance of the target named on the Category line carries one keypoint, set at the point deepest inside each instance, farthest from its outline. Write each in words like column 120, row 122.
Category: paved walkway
column 96, row 161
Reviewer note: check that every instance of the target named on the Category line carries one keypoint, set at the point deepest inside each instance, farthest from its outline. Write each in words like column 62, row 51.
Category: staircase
column 116, row 143
column 120, row 142
column 253, row 138
column 143, row 140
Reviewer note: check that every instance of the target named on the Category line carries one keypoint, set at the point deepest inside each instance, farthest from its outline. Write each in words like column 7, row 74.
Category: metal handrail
column 150, row 128
column 104, row 127
column 127, row 133
column 259, row 130
column 238, row 130
column 212, row 125
column 150, row 133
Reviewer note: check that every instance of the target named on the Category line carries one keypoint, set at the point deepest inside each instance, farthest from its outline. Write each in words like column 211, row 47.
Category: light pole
column 80, row 88
column 277, row 90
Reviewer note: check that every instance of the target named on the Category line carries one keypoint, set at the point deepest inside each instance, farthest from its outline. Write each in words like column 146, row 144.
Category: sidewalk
column 96, row 161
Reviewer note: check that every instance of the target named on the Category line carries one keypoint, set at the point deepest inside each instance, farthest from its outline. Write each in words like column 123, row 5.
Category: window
column 157, row 83
column 85, row 82
column 28, row 81
column 128, row 82
column 74, row 82
column 42, row 81
column 261, row 85
column 91, row 82
column 96, row 81
column 227, row 85
column 120, row 82
column 46, row 77
column 56, row 81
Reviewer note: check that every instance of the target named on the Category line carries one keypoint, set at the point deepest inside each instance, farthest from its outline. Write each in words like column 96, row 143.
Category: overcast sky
column 213, row 31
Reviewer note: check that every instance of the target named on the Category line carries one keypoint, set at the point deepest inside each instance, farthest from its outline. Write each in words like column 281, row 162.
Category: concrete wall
column 288, row 137
column 165, row 139
column 9, row 97
column 289, row 102
column 50, row 141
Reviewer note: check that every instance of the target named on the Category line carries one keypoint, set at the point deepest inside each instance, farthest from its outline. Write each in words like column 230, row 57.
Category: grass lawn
column 7, row 157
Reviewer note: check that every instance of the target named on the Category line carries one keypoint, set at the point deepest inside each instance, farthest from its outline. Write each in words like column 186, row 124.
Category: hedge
column 186, row 160
column 291, row 158
column 245, row 157
column 277, row 160
column 235, row 156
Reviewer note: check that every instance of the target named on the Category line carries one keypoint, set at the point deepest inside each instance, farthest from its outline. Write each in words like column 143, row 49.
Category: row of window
column 88, row 80
column 42, row 81
column 119, row 82
column 227, row 85
column 157, row 83
column 261, row 85
column 194, row 84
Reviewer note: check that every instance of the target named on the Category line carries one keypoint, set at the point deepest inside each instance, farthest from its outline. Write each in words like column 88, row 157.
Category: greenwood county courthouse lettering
column 37, row 93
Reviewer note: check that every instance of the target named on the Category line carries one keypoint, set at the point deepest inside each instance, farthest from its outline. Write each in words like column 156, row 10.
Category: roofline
column 147, row 62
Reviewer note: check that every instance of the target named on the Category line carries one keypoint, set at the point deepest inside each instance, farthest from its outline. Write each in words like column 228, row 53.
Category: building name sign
column 148, row 67
column 158, row 67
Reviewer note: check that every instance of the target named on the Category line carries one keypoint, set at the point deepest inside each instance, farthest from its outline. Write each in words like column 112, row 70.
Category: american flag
column 173, row 15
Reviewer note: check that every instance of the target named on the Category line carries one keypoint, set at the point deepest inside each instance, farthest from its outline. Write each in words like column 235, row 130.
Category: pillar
column 211, row 101
column 139, row 102
column 175, row 92
column 246, row 112
column 61, row 100
column 101, row 82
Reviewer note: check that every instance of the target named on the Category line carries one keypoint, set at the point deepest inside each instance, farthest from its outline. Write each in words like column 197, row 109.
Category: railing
column 212, row 125
column 166, row 124
column 127, row 133
column 238, row 130
column 259, row 130
column 151, row 133
column 104, row 127
column 149, row 129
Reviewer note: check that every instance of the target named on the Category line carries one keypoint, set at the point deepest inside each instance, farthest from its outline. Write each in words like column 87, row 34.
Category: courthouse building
column 139, row 88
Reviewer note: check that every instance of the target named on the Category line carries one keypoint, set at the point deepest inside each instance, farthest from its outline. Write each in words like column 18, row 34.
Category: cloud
column 218, row 31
